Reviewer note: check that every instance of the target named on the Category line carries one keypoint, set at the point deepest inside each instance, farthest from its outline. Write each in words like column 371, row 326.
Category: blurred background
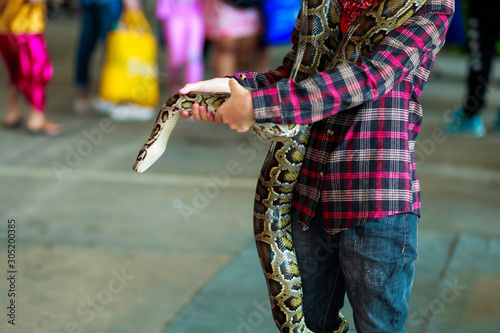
column 99, row 248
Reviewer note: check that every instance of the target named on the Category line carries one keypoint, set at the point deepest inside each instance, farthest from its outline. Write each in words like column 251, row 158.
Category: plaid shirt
column 360, row 161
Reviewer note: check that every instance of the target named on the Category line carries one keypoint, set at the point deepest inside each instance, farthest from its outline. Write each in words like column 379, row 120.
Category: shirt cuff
column 266, row 104
column 265, row 99
column 246, row 79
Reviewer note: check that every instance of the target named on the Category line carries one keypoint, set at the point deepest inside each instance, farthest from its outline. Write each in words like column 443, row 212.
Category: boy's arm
column 249, row 80
column 351, row 84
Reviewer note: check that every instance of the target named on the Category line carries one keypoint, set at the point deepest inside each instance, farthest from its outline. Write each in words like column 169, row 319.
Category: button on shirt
column 365, row 117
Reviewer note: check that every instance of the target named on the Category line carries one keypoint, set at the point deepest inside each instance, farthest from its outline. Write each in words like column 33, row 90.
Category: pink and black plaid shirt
column 360, row 161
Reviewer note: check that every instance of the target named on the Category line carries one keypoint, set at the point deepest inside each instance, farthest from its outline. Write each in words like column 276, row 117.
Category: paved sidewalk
column 453, row 292
column 102, row 249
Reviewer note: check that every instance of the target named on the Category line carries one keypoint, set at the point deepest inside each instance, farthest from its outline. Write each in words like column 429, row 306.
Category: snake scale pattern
column 318, row 49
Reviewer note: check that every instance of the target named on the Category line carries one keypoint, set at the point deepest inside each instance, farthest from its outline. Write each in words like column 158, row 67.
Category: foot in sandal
column 13, row 120
column 39, row 124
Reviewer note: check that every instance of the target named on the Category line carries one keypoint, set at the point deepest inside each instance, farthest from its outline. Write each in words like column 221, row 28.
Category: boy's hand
column 210, row 86
column 218, row 84
column 237, row 112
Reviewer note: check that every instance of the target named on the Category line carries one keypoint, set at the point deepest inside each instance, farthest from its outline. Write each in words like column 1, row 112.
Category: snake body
column 165, row 122
column 319, row 48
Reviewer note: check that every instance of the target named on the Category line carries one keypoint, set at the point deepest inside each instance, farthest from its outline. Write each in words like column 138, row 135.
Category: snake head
column 141, row 164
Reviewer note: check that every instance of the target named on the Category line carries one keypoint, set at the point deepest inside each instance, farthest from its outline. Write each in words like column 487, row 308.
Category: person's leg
column 108, row 16
column 175, row 29
column 322, row 278
column 38, row 122
column 263, row 63
column 13, row 115
column 377, row 262
column 194, row 63
column 483, row 37
column 247, row 53
column 34, row 55
column 13, row 106
column 483, row 34
column 89, row 35
column 224, row 57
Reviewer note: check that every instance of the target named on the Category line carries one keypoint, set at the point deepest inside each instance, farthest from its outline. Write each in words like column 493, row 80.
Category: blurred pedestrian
column 24, row 50
column 184, row 32
column 484, row 28
column 98, row 17
column 235, row 36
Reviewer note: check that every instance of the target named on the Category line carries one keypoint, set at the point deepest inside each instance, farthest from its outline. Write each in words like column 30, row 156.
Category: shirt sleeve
column 278, row 99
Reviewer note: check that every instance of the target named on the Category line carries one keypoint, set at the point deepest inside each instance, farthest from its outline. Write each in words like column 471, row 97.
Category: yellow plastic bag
column 130, row 71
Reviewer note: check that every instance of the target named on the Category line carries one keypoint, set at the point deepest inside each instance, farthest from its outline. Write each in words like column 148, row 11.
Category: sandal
column 17, row 122
column 48, row 127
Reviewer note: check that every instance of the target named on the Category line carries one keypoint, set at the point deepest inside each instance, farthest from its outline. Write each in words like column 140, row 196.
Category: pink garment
column 29, row 66
column 184, row 35
column 170, row 8
column 228, row 22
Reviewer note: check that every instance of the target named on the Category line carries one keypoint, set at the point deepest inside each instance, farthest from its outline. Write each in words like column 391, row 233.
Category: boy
column 358, row 189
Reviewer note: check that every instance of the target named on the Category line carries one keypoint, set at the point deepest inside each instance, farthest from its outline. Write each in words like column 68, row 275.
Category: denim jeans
column 96, row 21
column 371, row 263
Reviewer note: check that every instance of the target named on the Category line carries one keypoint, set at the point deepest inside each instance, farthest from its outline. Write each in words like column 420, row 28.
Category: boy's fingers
column 196, row 112
column 203, row 114
column 189, row 87
column 218, row 119
column 233, row 84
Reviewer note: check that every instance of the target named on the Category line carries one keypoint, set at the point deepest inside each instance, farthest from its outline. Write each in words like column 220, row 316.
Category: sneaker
column 103, row 106
column 132, row 112
column 472, row 127
column 83, row 105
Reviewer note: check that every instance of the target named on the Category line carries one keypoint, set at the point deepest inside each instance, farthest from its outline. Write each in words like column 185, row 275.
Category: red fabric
column 351, row 10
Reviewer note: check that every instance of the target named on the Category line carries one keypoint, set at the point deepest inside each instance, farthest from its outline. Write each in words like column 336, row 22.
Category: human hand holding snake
column 237, row 112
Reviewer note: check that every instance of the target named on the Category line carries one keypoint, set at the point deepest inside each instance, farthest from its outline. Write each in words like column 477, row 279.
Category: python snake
column 320, row 47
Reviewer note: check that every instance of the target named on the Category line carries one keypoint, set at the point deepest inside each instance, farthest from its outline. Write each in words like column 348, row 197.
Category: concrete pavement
column 102, row 249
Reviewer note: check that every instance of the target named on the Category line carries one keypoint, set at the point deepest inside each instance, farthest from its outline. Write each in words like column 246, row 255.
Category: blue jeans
column 372, row 263
column 96, row 21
